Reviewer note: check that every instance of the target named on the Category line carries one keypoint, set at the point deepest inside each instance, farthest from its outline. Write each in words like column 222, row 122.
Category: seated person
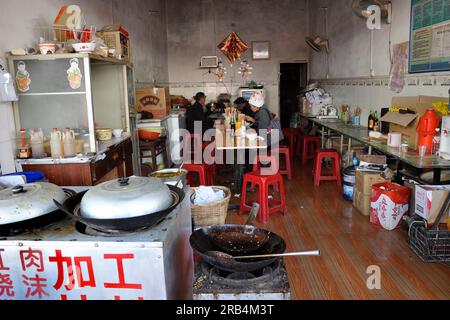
column 196, row 113
column 244, row 107
column 262, row 115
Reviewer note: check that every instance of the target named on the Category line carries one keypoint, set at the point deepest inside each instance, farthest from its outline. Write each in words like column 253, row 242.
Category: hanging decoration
column 23, row 77
column 74, row 74
column 245, row 70
column 221, row 71
column 233, row 47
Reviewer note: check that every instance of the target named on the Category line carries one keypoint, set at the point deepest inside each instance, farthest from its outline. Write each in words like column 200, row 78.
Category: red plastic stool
column 264, row 180
column 201, row 170
column 290, row 136
column 310, row 145
column 300, row 136
column 287, row 170
column 323, row 175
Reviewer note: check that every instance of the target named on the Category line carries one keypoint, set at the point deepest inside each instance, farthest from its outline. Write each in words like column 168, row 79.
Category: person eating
column 244, row 107
column 196, row 113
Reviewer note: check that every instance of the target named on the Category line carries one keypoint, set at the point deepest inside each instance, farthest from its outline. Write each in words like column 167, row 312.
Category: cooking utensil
column 28, row 201
column 126, row 198
column 237, row 240
column 222, row 255
column 72, row 208
column 171, row 176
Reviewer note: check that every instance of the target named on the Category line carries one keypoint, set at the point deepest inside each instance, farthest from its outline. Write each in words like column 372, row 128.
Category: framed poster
column 261, row 50
column 429, row 36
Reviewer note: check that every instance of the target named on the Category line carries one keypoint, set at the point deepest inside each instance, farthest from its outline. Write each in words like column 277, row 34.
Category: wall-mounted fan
column 360, row 7
column 318, row 43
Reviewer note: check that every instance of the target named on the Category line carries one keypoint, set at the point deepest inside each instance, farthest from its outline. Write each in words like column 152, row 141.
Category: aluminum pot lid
column 28, row 201
column 126, row 198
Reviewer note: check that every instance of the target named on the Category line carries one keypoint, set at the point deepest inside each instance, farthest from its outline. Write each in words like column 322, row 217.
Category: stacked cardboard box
column 363, row 190
column 154, row 100
column 429, row 202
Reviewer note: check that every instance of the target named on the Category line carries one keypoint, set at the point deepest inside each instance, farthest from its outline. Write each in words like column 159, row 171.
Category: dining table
column 235, row 146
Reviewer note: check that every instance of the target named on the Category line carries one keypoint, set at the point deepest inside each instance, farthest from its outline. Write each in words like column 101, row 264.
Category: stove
column 270, row 283
column 65, row 260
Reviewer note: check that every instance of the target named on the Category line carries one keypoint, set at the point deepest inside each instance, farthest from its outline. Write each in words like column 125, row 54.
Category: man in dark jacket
column 244, row 107
column 196, row 113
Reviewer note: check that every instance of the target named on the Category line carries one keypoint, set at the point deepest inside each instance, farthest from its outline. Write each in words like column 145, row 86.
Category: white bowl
column 84, row 47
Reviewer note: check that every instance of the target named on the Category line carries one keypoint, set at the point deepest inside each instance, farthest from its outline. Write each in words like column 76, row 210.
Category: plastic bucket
column 30, row 176
column 349, row 182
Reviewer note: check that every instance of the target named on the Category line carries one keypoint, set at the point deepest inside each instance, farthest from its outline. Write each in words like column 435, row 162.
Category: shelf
column 52, row 93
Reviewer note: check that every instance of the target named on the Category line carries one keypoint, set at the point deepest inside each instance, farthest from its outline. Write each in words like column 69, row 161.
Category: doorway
column 293, row 79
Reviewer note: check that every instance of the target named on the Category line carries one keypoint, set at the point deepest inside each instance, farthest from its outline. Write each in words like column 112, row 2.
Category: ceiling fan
column 318, row 43
column 360, row 8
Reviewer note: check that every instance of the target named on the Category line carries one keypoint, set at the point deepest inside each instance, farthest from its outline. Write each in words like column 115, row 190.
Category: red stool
column 323, row 175
column 310, row 145
column 290, row 136
column 201, row 170
column 287, row 170
column 298, row 150
column 264, row 180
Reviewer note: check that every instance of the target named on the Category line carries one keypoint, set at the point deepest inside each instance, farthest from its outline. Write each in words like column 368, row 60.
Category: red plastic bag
column 389, row 203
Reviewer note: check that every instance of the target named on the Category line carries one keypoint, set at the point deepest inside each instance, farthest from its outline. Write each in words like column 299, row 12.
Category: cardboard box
column 154, row 100
column 361, row 202
column 429, row 201
column 365, row 181
column 406, row 124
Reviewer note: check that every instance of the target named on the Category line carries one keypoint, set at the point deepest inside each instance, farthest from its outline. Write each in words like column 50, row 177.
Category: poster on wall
column 430, row 36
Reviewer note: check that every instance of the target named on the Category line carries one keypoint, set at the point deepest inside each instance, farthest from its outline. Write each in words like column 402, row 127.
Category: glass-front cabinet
column 78, row 91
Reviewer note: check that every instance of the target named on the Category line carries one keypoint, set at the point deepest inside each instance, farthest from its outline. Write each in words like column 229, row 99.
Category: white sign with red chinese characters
column 36, row 271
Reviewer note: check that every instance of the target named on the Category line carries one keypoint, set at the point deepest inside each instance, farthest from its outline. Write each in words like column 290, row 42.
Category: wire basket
column 210, row 214
column 431, row 245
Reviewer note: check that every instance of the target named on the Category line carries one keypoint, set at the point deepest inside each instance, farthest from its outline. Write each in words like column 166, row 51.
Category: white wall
column 196, row 27
column 350, row 53
column 20, row 26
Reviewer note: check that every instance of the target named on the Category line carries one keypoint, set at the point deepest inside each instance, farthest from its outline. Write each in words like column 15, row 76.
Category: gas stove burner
column 32, row 225
column 89, row 231
column 255, row 279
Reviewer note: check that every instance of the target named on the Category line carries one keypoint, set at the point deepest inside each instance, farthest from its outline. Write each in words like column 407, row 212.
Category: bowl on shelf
column 104, row 134
column 147, row 134
column 84, row 47
column 47, row 48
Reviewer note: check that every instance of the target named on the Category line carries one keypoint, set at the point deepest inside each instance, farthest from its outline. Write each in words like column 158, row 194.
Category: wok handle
column 290, row 254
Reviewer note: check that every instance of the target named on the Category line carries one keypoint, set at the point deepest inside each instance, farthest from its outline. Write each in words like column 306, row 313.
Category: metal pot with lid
column 29, row 201
column 126, row 198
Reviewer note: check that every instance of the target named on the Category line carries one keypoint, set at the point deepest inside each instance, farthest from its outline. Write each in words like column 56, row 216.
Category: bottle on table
column 24, row 147
column 371, row 121
column 437, row 142
column 37, row 144
column 69, row 143
column 376, row 122
column 233, row 125
column 56, row 145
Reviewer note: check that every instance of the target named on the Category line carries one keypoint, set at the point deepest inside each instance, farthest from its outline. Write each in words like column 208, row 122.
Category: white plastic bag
column 7, row 91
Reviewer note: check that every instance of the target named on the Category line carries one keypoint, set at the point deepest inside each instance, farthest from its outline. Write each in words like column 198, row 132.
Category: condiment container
column 56, row 145
column 24, row 147
column 69, row 143
column 37, row 144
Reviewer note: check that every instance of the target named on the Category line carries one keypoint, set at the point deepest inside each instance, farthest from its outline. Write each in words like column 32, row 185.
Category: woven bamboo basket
column 210, row 214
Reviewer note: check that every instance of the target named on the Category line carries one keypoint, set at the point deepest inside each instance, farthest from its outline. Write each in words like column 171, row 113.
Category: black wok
column 72, row 207
column 237, row 240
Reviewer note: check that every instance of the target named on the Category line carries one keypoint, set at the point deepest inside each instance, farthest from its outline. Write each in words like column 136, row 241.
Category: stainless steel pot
column 126, row 198
column 28, row 202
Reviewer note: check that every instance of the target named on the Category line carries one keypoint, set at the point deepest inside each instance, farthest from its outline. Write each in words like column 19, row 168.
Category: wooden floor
column 319, row 218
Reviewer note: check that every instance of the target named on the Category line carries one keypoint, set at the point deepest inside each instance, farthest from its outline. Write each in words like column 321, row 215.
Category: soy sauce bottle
column 371, row 121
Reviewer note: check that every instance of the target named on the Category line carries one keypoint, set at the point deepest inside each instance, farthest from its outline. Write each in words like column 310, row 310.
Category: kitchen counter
column 114, row 160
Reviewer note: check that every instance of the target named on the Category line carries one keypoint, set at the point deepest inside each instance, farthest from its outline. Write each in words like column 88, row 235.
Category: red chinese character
column 82, row 282
column 122, row 284
column 32, row 258
column 83, row 297
column 37, row 284
column 6, row 286
column 2, row 267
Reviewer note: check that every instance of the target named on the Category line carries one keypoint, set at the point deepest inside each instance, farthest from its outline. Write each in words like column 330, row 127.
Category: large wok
column 237, row 240
column 72, row 207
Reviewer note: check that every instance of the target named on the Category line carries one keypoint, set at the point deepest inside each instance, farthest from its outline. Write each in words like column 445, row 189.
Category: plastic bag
column 7, row 91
